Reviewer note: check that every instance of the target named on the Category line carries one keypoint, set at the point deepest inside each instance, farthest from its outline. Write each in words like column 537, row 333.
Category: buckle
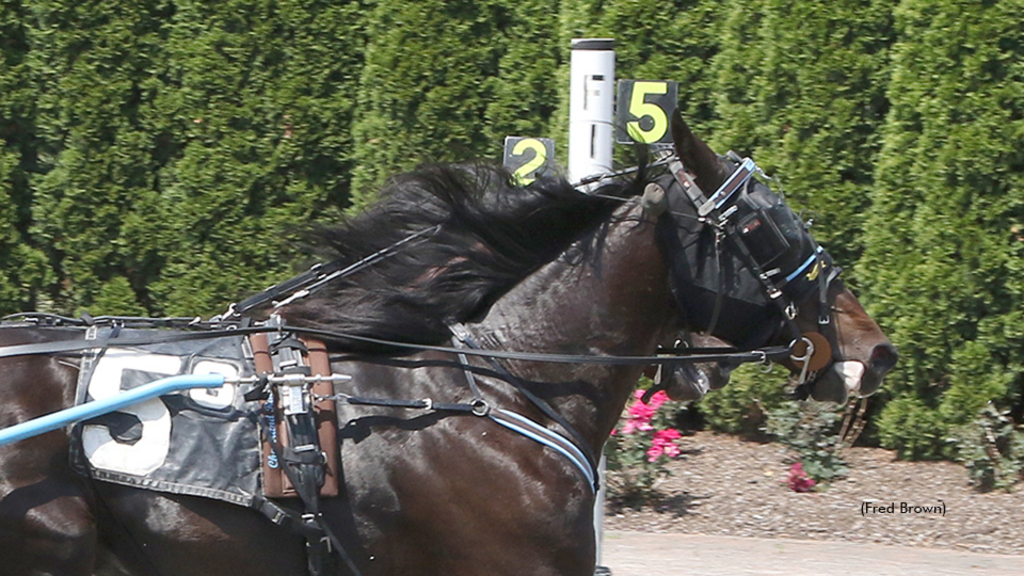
column 480, row 408
column 460, row 331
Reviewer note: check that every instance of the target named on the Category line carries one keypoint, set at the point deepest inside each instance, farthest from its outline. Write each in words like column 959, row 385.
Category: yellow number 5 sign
column 643, row 109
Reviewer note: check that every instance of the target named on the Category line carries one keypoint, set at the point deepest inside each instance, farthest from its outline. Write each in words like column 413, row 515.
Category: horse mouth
column 841, row 379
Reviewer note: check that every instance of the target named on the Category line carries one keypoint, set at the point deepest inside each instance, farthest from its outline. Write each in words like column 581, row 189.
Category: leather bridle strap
column 720, row 291
column 459, row 337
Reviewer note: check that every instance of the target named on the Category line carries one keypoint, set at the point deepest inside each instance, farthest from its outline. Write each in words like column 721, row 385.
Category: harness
column 302, row 462
column 747, row 232
column 750, row 228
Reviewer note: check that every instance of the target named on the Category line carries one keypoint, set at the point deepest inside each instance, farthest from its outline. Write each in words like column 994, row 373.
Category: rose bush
column 640, row 447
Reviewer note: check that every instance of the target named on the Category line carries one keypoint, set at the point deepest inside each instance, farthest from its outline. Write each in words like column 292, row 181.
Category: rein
column 318, row 276
column 231, row 323
column 213, row 330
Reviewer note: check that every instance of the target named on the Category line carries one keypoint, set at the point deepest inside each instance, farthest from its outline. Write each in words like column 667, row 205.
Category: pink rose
column 798, row 480
column 664, row 443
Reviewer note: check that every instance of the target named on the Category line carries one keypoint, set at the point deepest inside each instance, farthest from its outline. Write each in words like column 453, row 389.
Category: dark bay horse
column 542, row 270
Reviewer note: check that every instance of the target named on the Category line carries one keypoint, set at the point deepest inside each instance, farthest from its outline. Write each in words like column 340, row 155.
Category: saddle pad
column 198, row 442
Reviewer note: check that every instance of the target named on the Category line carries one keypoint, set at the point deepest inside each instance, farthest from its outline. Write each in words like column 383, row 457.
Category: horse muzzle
column 845, row 377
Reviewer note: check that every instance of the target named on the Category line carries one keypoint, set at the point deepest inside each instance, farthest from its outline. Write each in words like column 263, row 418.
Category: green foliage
column 742, row 406
column 974, row 383
column 249, row 159
column 23, row 267
column 431, row 68
column 992, row 449
column 116, row 298
column 941, row 267
column 913, row 429
column 95, row 61
column 653, row 43
column 800, row 85
column 181, row 145
column 811, row 429
column 523, row 96
column 161, row 156
column 262, row 98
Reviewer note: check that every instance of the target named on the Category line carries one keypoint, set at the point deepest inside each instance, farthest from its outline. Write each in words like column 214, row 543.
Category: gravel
column 723, row 485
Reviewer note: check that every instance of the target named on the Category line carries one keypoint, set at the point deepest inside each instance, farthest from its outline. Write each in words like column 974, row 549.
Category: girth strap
column 302, row 469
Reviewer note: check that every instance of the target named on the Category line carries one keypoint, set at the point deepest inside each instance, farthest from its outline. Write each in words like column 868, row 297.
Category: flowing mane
column 492, row 234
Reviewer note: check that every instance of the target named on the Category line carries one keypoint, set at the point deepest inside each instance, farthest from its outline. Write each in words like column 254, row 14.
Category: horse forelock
column 492, row 235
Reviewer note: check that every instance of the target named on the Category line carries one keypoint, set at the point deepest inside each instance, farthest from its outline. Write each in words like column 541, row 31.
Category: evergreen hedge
column 160, row 156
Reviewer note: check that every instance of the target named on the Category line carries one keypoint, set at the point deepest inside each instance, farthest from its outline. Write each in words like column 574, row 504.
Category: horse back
column 36, row 385
column 55, row 521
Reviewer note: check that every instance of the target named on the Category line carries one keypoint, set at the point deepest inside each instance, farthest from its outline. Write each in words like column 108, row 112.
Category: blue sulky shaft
column 95, row 408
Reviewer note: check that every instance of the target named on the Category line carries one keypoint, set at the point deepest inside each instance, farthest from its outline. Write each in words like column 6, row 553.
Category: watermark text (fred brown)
column 877, row 507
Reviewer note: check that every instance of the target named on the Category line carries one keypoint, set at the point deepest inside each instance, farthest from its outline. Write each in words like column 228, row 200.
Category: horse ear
column 698, row 158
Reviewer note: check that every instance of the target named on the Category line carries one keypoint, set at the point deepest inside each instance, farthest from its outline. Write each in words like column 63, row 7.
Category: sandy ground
column 724, row 486
column 646, row 554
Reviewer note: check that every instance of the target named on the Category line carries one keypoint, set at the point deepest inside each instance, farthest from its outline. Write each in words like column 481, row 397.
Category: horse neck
column 615, row 302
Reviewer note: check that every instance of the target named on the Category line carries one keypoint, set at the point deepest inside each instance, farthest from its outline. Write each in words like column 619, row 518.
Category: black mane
column 492, row 235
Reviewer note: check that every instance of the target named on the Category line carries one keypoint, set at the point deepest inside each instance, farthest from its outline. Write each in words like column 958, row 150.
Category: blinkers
column 742, row 251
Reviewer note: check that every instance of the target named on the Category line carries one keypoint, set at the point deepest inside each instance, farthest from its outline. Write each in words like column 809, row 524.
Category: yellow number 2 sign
column 528, row 158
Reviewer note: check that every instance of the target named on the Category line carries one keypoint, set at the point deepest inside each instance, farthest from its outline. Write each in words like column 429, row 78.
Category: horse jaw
column 691, row 382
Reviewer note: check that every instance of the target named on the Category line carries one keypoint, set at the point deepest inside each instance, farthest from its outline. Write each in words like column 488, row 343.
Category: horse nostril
column 884, row 357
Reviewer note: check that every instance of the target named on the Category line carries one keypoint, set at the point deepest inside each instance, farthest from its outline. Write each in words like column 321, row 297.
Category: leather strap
column 537, row 401
column 694, row 354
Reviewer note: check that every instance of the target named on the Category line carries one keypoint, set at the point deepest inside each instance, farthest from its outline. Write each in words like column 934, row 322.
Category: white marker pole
column 591, row 140
column 591, row 107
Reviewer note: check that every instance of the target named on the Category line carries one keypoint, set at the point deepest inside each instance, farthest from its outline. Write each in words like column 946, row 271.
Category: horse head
column 745, row 269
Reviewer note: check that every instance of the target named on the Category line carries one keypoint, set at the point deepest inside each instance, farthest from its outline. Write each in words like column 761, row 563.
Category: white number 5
column 151, row 450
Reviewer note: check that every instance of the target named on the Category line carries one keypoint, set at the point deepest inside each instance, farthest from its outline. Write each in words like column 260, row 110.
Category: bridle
column 751, row 234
